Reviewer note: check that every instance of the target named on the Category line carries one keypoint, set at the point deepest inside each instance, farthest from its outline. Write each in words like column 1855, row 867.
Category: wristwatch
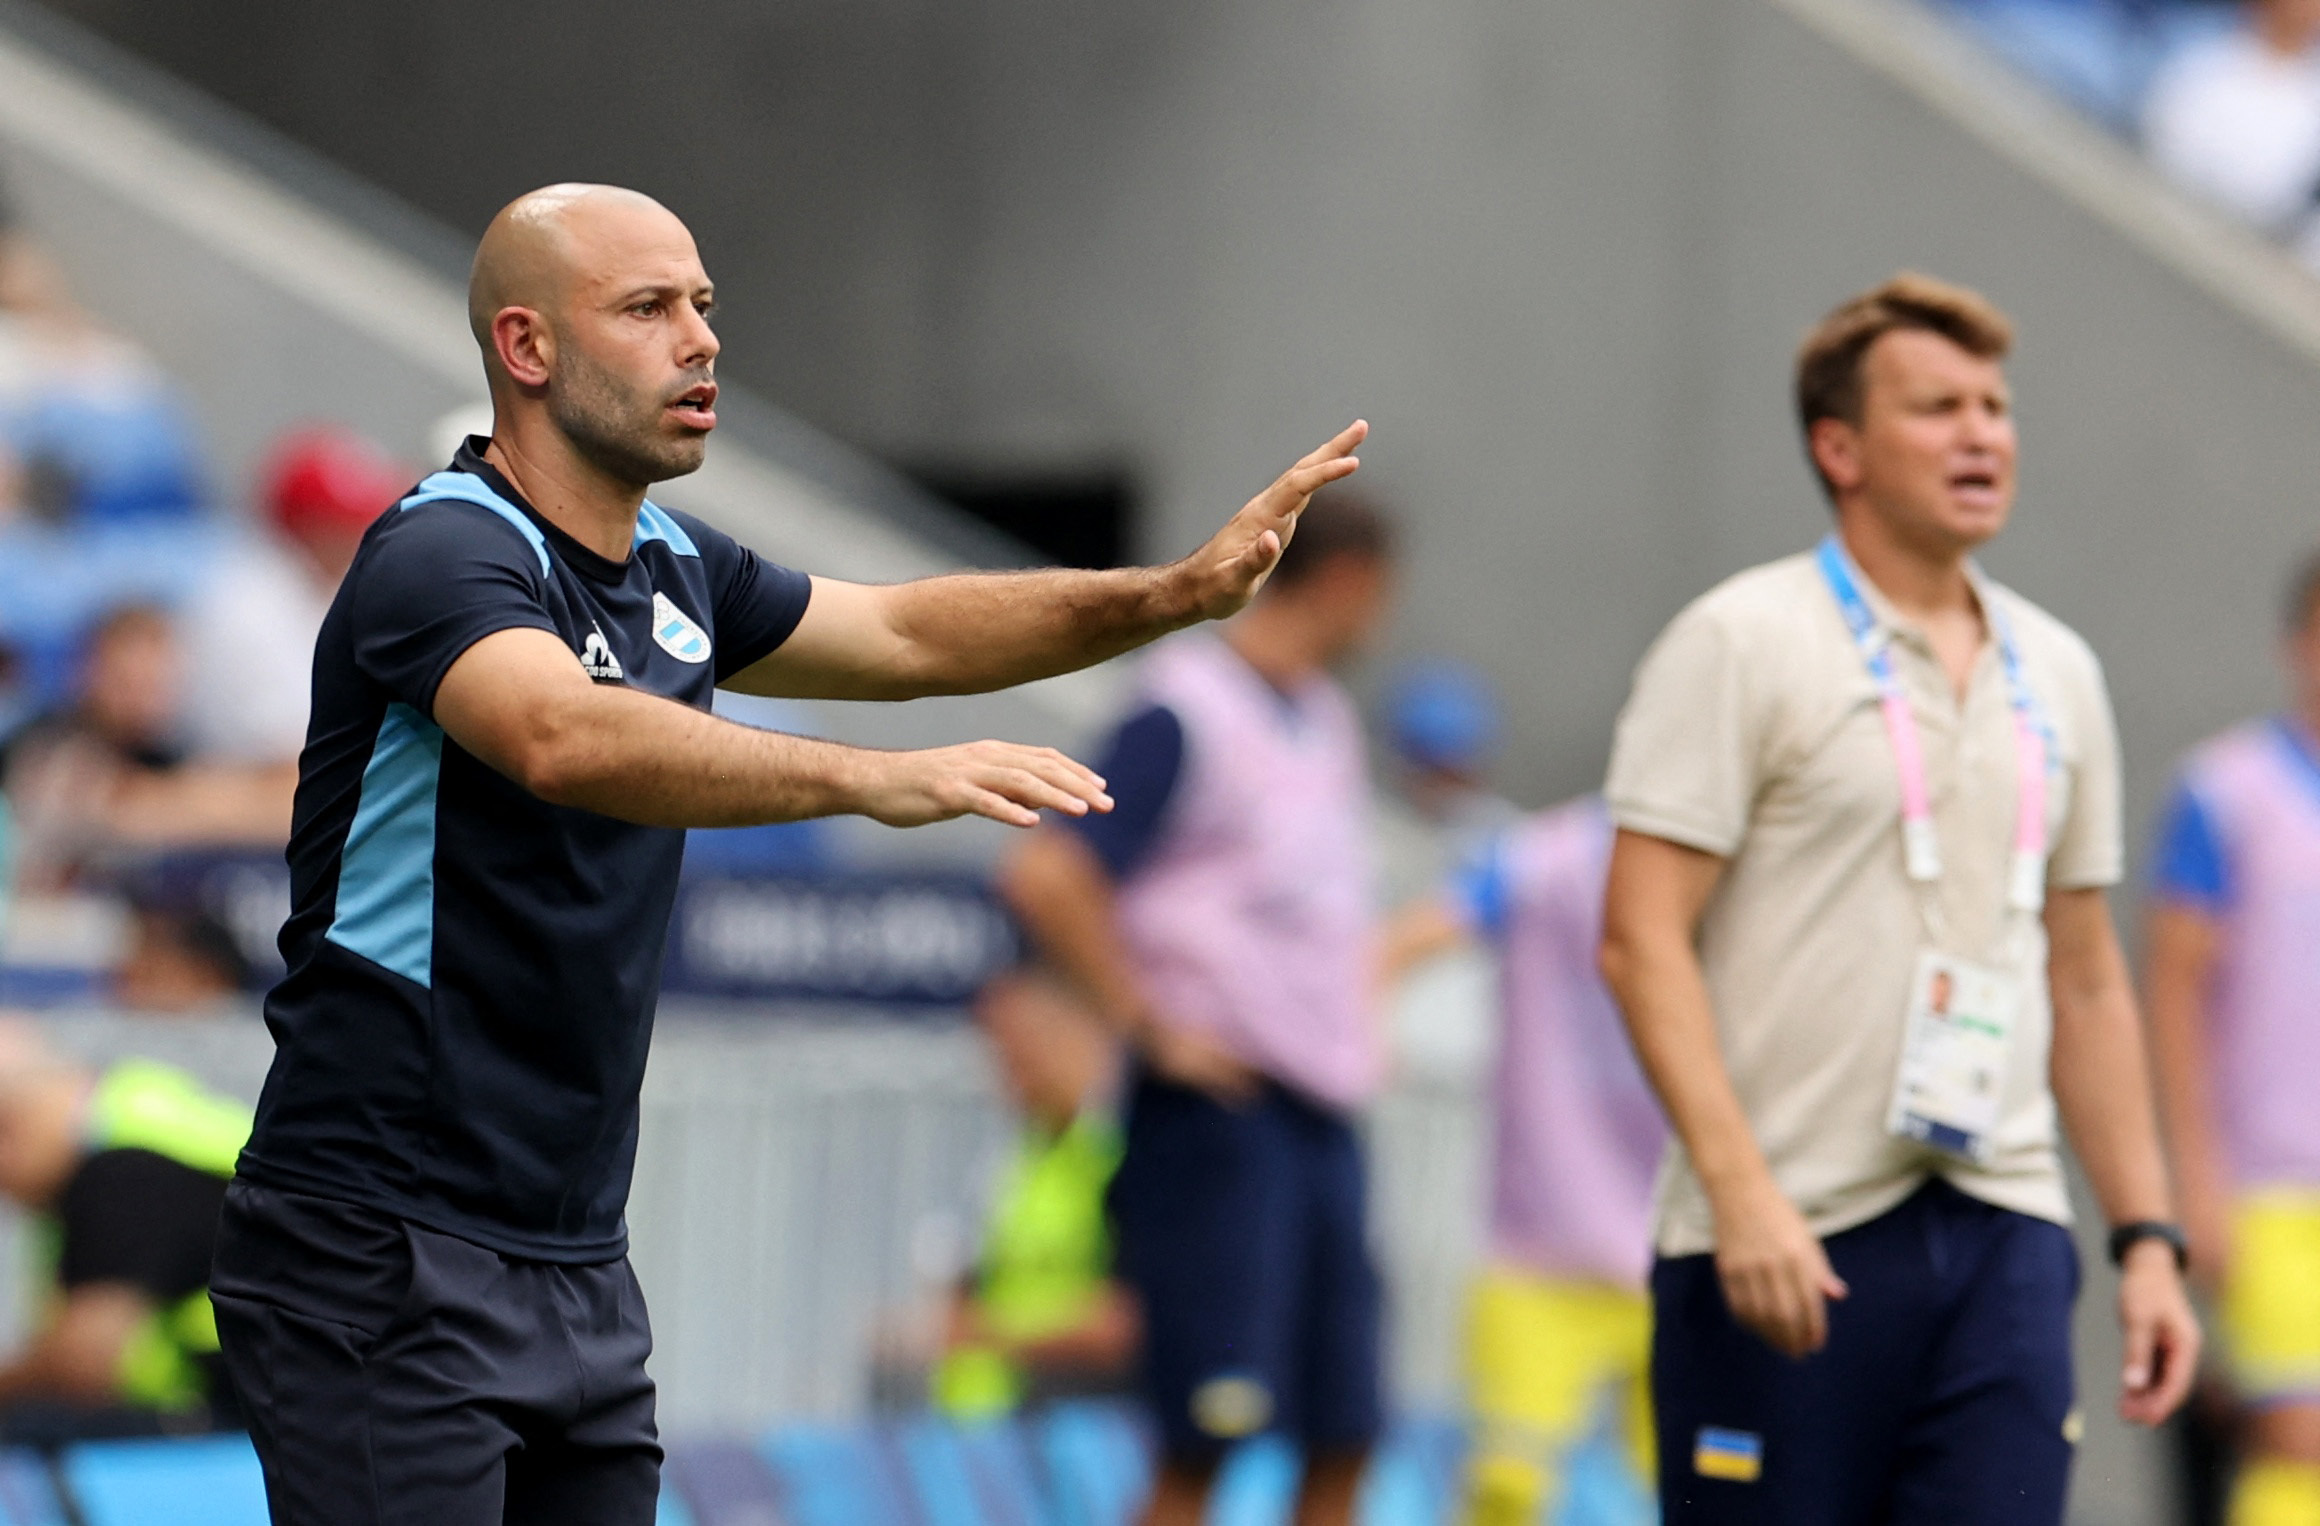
column 2126, row 1236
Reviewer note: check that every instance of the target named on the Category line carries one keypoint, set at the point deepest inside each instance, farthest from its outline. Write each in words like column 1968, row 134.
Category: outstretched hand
column 1005, row 781
column 1227, row 572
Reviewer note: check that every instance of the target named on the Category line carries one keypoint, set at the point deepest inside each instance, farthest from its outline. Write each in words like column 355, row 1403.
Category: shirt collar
column 1897, row 626
column 469, row 458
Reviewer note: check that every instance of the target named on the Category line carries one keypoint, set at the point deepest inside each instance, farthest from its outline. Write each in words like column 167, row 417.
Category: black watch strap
column 2126, row 1236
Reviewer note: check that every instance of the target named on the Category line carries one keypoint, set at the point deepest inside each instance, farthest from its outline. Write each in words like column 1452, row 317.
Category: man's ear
column 1836, row 450
column 526, row 346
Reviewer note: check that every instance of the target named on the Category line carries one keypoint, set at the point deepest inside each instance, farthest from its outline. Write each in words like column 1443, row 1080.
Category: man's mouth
column 1974, row 484
column 697, row 405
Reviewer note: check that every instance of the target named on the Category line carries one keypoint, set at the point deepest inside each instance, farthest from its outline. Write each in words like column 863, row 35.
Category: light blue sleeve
column 1482, row 889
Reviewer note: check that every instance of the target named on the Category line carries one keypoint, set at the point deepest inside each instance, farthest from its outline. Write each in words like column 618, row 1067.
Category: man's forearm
column 1059, row 893
column 970, row 633
column 641, row 758
column 1672, row 1023
column 2103, row 1088
column 2100, row 1076
column 2180, row 949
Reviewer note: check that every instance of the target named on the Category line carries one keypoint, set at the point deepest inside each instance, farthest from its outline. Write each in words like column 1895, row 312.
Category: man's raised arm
column 974, row 632
column 519, row 700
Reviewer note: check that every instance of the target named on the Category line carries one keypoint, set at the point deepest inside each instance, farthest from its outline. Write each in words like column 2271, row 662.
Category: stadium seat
column 27, row 1498
column 1257, row 1484
column 672, row 1511
column 1097, row 1462
column 1414, row 1478
column 837, row 1476
column 722, row 1483
column 195, row 1481
column 970, row 1475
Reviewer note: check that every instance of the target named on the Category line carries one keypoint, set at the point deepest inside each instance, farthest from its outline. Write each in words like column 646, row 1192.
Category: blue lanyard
column 2033, row 740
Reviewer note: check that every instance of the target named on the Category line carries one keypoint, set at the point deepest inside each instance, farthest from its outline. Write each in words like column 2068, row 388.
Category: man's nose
column 700, row 340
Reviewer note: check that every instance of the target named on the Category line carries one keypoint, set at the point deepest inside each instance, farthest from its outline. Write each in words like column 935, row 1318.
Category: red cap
column 327, row 479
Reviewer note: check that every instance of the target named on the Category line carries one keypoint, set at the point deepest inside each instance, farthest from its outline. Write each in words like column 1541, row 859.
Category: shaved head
column 590, row 305
column 537, row 242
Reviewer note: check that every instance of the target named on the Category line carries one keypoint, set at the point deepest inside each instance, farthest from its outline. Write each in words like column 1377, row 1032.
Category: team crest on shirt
column 675, row 631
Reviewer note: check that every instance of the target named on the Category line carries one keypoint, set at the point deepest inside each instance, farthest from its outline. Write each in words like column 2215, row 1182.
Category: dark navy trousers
column 1944, row 1394
column 396, row 1376
column 1243, row 1230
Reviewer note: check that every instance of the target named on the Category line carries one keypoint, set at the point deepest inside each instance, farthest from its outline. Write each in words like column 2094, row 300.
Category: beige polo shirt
column 1754, row 733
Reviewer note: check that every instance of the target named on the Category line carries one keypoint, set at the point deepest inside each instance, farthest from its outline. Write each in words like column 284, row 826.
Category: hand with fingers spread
column 1005, row 781
column 1223, row 575
column 1776, row 1275
column 2160, row 1332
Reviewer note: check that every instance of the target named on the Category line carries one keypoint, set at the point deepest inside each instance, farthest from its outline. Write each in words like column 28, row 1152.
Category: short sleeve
column 1481, row 891
column 755, row 603
column 2190, row 867
column 430, row 583
column 2090, row 851
column 1141, row 767
column 1686, row 759
column 137, row 1217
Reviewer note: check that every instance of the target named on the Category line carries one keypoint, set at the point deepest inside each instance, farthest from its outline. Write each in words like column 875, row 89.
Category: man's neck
column 1924, row 583
column 567, row 490
column 1273, row 641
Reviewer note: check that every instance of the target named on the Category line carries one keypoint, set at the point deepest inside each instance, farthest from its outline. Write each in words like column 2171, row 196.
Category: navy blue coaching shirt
column 462, row 1034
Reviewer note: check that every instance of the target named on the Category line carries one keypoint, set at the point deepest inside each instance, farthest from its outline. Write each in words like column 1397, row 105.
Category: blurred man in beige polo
column 1847, row 782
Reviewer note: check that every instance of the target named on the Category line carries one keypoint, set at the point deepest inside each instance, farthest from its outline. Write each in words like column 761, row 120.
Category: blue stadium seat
column 722, row 1483
column 1097, row 1461
column 26, row 1496
column 970, row 1475
column 672, row 1511
column 1257, row 1484
column 836, row 1476
column 197, row 1481
column 1414, row 1479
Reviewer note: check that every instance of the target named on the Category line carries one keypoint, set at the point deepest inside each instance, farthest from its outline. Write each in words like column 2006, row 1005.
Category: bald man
column 421, row 1283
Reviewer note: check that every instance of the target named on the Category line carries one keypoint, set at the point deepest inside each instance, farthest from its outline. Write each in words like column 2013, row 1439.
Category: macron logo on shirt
column 597, row 660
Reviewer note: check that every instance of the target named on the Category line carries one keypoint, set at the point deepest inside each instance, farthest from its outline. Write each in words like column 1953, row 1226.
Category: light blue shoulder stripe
column 469, row 488
column 655, row 523
column 386, row 871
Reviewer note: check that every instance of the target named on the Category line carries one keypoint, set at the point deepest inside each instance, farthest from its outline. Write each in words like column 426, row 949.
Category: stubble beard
column 617, row 431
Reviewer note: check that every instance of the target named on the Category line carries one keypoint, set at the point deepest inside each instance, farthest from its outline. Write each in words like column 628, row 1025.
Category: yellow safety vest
column 1047, row 1254
column 143, row 1105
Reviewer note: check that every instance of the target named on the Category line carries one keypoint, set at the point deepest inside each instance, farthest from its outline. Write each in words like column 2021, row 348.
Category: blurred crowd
column 2222, row 95
column 154, row 641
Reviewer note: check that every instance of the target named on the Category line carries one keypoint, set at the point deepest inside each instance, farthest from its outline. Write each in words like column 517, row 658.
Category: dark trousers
column 1943, row 1396
column 1243, row 1231
column 392, row 1374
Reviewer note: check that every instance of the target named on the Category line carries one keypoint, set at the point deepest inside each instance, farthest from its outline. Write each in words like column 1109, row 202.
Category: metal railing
column 803, row 1181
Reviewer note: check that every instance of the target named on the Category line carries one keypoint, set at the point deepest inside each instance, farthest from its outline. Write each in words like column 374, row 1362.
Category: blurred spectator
column 2232, row 978
column 1560, row 1327
column 2236, row 119
column 181, row 961
column 1041, row 1315
column 95, row 422
column 250, row 628
column 107, row 773
column 1220, row 916
column 1442, row 724
column 127, row 1170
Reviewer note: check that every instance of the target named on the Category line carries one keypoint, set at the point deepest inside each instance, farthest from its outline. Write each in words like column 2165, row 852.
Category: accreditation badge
column 1954, row 1055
